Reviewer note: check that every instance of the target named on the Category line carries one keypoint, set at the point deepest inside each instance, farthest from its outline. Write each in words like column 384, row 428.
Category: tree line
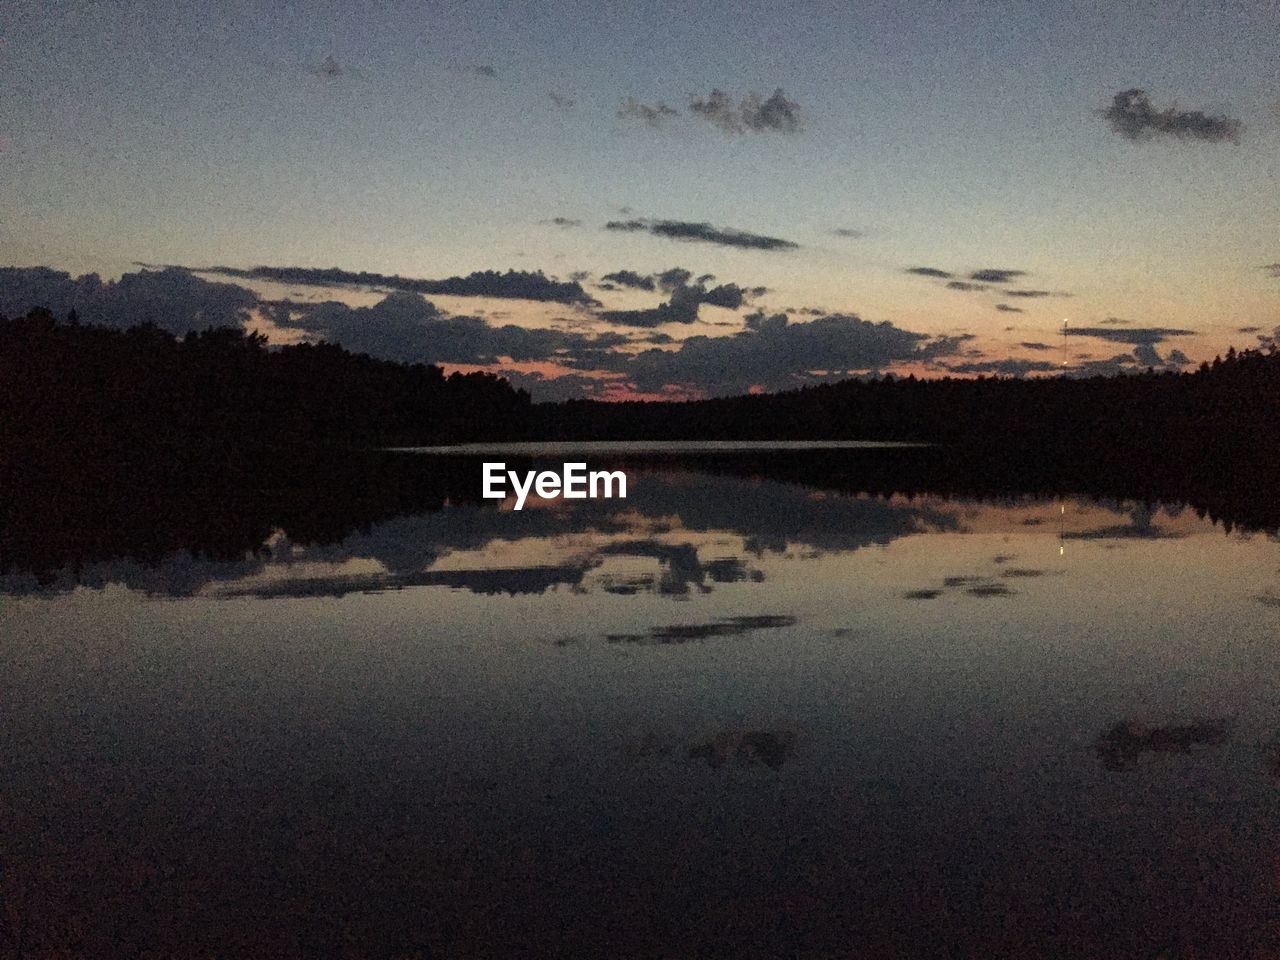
column 66, row 385
column 1230, row 407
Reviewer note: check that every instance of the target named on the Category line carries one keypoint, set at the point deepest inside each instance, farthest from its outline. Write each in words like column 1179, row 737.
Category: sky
column 901, row 186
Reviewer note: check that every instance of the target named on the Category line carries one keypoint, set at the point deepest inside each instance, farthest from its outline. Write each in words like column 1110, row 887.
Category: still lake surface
column 731, row 715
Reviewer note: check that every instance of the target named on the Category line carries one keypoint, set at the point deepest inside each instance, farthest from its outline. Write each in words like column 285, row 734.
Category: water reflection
column 685, row 632
column 1121, row 746
column 687, row 526
column 757, row 709
column 745, row 747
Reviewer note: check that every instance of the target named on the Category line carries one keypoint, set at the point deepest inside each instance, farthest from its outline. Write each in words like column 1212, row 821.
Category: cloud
column 562, row 101
column 562, row 222
column 686, row 297
column 1133, row 116
column 1147, row 353
column 1115, row 322
column 1143, row 340
column 512, row 285
column 170, row 298
column 718, row 108
column 730, row 295
column 654, row 116
column 1121, row 363
column 1030, row 294
column 1268, row 340
column 1005, row 308
column 681, row 308
column 754, row 114
column 677, row 277
column 1034, row 345
column 1009, row 367
column 975, row 280
column 1131, row 335
column 483, row 70
column 994, row 275
column 1272, row 268
column 629, row 278
column 408, row 327
column 702, row 232
column 776, row 113
column 776, row 354
column 848, row 233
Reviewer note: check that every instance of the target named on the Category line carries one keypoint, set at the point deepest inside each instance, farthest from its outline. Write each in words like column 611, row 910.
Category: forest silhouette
column 69, row 387
column 70, row 390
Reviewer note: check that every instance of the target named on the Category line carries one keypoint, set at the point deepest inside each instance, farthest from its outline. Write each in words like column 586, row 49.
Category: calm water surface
column 728, row 716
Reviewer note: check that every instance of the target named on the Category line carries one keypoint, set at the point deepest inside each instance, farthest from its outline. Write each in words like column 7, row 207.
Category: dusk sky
column 918, row 187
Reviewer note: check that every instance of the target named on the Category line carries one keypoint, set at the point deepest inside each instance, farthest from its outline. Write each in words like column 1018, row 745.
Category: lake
column 762, row 707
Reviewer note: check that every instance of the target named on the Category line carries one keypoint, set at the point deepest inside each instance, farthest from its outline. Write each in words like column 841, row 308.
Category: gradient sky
column 422, row 139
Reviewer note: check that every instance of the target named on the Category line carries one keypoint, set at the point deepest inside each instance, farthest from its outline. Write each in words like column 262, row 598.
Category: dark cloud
column 1272, row 268
column 1116, row 322
column 629, row 278
column 777, row 113
column 406, row 326
column 1034, row 345
column 686, row 297
column 754, row 114
column 1005, row 308
column 977, row 279
column 1118, row 364
column 562, row 222
column 633, row 109
column 1272, row 339
column 677, row 277
column 703, row 232
column 718, row 108
column 1032, row 294
column 512, row 285
column 1133, row 116
column 847, row 232
column 170, row 298
column 681, row 308
column 730, row 295
column 561, row 100
column 483, row 70
column 1131, row 335
column 777, row 354
column 1247, row 329
column 1146, row 353
column 994, row 275
column 1009, row 367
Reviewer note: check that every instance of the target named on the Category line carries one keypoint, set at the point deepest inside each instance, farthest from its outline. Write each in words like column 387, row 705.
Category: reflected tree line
column 139, row 444
column 61, row 517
